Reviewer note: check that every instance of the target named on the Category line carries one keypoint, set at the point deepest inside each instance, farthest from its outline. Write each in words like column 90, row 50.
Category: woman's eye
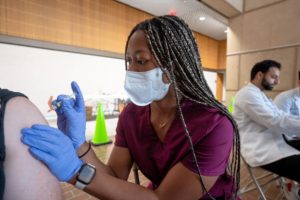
column 141, row 62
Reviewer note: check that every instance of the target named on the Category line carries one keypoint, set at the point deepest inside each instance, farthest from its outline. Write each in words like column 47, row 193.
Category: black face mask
column 266, row 85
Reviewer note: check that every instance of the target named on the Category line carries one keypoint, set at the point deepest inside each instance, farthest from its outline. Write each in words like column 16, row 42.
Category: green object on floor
column 100, row 135
column 231, row 105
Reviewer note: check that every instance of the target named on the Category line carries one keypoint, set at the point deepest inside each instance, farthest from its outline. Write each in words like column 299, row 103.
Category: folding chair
column 261, row 182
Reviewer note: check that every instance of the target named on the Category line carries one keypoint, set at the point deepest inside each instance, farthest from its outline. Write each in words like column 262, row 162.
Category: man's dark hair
column 299, row 75
column 263, row 67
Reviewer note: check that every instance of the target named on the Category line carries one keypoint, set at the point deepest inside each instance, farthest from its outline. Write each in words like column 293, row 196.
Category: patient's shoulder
column 22, row 112
column 26, row 177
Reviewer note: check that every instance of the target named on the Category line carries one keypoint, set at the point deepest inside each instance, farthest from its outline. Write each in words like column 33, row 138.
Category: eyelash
column 140, row 62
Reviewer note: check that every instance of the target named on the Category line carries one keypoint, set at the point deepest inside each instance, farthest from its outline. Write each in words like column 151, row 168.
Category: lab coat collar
column 254, row 86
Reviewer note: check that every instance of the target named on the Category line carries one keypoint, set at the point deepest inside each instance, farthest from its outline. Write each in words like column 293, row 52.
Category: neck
column 163, row 110
column 162, row 114
column 257, row 84
column 166, row 106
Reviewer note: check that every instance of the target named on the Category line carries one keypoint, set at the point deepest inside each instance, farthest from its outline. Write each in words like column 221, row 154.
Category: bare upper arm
column 182, row 183
column 120, row 162
column 26, row 177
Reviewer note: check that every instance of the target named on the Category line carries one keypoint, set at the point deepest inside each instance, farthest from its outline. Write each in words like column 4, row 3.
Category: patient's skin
column 26, row 177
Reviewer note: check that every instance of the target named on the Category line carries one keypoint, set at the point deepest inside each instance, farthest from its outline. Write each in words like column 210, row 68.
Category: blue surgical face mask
column 145, row 87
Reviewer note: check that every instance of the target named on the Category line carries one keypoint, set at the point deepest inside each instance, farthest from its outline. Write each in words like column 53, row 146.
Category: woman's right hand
column 71, row 117
column 54, row 149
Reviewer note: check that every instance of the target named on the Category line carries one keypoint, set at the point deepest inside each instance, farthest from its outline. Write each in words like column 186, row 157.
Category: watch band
column 80, row 185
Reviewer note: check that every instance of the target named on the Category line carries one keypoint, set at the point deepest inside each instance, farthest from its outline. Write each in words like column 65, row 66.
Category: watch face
column 86, row 174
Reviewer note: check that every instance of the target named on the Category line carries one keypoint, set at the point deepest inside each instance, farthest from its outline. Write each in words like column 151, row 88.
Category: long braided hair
column 174, row 47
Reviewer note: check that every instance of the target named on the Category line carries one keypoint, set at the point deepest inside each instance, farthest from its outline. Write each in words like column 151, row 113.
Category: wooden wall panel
column 95, row 24
column 222, row 54
column 209, row 51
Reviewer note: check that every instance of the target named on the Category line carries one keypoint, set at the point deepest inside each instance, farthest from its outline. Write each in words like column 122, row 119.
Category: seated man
column 261, row 124
column 289, row 101
column 21, row 175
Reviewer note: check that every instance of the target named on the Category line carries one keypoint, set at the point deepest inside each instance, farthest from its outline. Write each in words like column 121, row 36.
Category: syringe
column 58, row 104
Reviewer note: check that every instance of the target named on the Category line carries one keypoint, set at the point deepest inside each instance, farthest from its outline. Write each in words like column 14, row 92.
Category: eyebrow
column 138, row 51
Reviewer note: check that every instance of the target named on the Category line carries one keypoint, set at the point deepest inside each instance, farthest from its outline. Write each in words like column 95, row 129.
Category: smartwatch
column 85, row 175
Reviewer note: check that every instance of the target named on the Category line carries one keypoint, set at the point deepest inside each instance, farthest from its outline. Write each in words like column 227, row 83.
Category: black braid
column 173, row 45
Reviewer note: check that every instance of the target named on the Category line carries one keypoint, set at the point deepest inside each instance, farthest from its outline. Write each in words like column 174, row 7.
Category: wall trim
column 275, row 91
column 262, row 50
column 55, row 46
column 223, row 71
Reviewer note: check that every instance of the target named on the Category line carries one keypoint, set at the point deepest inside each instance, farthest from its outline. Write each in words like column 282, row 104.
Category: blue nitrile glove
column 53, row 148
column 71, row 117
column 61, row 118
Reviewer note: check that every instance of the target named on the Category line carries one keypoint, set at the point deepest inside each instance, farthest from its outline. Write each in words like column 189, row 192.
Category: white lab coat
column 261, row 125
column 289, row 101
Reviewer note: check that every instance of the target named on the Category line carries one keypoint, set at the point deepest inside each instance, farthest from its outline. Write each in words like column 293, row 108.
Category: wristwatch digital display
column 85, row 175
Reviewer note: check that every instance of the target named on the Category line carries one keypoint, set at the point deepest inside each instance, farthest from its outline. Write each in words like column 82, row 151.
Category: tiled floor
column 273, row 192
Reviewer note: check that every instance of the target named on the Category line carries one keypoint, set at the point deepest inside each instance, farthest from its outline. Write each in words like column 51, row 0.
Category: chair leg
column 136, row 174
column 257, row 184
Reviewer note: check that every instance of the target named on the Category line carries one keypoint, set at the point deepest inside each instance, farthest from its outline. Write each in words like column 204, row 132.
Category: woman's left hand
column 71, row 116
column 53, row 148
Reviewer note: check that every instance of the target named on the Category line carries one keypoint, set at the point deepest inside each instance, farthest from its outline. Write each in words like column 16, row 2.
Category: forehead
column 273, row 71
column 137, row 42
